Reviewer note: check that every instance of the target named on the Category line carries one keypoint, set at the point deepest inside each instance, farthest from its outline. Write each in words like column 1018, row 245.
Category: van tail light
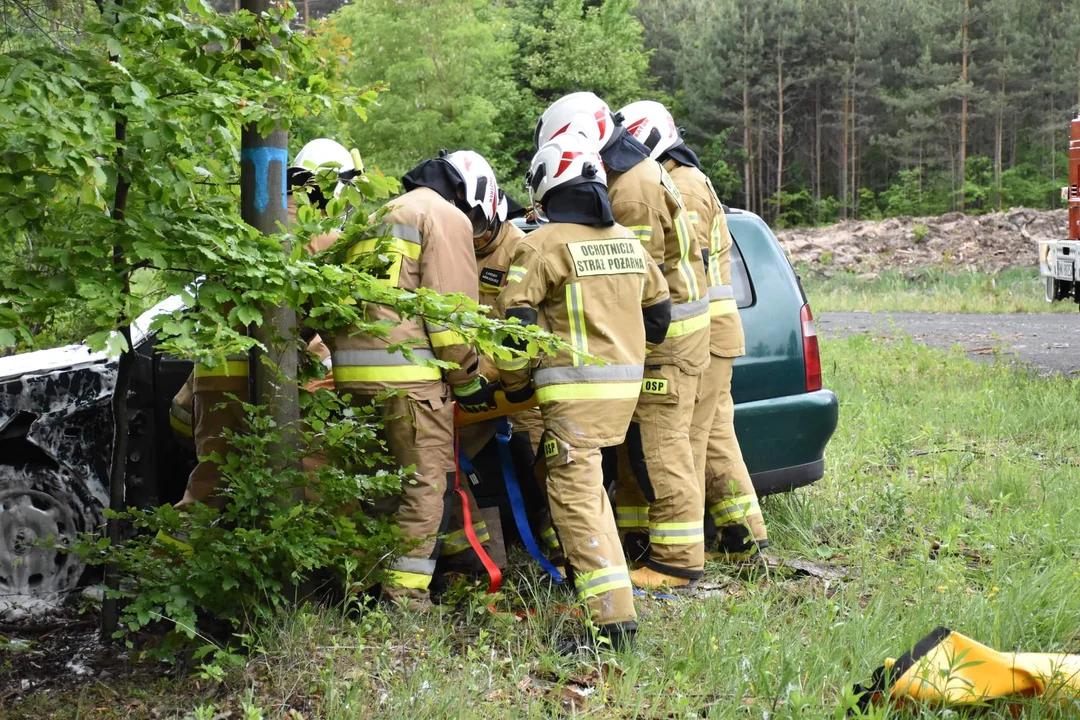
column 811, row 353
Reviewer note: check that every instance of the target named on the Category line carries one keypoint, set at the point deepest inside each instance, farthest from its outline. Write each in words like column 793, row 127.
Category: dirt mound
column 984, row 243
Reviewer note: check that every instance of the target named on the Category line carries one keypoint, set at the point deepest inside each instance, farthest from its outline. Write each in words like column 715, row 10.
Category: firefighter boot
column 650, row 580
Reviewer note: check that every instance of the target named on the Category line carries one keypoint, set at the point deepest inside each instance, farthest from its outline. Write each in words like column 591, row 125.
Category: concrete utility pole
column 263, row 165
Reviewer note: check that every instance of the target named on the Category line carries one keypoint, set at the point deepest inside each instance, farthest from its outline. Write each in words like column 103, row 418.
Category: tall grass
column 1018, row 290
column 950, row 499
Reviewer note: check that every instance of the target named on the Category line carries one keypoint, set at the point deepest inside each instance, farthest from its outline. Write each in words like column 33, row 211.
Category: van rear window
column 740, row 278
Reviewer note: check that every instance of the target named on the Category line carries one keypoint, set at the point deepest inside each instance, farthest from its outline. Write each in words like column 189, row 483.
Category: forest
column 805, row 111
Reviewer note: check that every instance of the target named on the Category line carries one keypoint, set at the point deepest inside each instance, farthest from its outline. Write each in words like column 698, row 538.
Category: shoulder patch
column 669, row 185
column 493, row 277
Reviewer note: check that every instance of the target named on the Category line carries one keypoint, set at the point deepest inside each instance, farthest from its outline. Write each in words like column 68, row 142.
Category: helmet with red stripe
column 652, row 125
column 481, row 190
column 566, row 160
column 580, row 113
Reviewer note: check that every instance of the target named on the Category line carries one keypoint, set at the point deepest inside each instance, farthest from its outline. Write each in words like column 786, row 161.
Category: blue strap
column 503, row 432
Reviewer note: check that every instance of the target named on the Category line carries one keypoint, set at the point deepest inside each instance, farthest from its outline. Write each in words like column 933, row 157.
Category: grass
column 950, row 497
column 1018, row 290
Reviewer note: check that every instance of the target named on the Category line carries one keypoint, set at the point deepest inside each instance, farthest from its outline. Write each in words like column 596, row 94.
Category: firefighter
column 216, row 393
column 493, row 245
column 589, row 281
column 730, row 497
column 431, row 227
column 659, row 504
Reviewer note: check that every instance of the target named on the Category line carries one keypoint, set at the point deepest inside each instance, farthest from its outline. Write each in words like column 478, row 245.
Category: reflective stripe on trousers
column 458, row 542
column 591, row 584
column 632, row 517
column 677, row 533
column 550, row 539
column 730, row 512
column 410, row 572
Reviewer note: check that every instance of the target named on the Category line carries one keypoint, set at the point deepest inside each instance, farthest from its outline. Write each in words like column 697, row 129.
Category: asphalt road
column 1050, row 342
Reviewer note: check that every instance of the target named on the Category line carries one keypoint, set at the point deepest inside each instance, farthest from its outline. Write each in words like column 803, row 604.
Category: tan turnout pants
column 658, row 497
column 420, row 433
column 729, row 493
column 582, row 516
column 212, row 412
column 487, row 524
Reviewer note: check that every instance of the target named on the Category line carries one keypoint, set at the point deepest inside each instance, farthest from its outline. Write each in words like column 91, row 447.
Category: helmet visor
column 479, row 221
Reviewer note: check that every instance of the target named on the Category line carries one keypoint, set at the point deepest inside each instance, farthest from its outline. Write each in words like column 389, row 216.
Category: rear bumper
column 787, row 479
column 783, row 439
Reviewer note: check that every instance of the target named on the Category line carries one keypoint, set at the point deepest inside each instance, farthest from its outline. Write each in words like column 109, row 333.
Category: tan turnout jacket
column 431, row 247
column 706, row 216
column 588, row 285
column 645, row 200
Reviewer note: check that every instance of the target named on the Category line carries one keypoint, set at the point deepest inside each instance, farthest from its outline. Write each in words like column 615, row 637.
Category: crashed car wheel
column 39, row 504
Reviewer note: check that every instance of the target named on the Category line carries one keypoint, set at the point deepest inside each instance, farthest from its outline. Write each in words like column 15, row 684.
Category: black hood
column 583, row 204
column 438, row 175
column 683, row 155
column 623, row 152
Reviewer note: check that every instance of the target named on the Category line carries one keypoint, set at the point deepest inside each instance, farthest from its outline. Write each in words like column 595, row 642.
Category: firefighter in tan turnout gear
column 431, row 228
column 659, row 504
column 493, row 244
column 730, row 497
column 210, row 392
column 589, row 281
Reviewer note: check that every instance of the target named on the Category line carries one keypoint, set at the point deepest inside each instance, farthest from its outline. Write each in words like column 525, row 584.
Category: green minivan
column 783, row 415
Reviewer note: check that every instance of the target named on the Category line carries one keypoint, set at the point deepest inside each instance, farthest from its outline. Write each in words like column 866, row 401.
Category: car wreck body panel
column 64, row 414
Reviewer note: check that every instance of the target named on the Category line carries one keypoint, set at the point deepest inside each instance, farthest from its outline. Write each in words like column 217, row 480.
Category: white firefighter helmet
column 567, row 159
column 652, row 125
column 323, row 154
column 481, row 189
column 581, row 113
column 504, row 208
column 325, row 159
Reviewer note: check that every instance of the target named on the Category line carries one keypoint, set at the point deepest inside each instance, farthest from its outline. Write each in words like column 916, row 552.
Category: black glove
column 477, row 395
column 520, row 395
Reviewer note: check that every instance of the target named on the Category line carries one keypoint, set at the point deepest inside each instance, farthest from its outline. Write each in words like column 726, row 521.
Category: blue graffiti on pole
column 261, row 157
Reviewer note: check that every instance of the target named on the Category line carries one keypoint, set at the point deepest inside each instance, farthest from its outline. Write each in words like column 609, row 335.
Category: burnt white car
column 56, row 433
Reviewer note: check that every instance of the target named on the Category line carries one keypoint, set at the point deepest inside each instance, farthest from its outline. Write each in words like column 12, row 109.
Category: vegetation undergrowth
column 1016, row 290
column 949, row 499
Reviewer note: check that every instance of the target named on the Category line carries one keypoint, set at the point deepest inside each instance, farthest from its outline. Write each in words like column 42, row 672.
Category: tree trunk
column 817, row 150
column 263, row 163
column 854, row 112
column 760, row 173
column 964, row 99
column 999, row 128
column 844, row 155
column 748, row 160
column 854, row 151
column 780, row 124
column 110, row 611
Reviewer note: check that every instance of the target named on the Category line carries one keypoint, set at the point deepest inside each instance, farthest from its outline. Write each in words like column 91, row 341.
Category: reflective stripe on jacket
column 598, row 290
column 429, row 246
